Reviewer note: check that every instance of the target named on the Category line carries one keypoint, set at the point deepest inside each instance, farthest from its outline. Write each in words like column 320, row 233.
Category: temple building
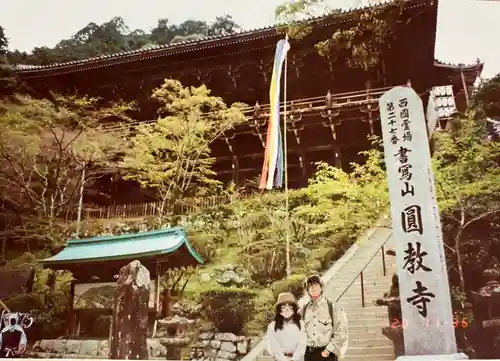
column 332, row 106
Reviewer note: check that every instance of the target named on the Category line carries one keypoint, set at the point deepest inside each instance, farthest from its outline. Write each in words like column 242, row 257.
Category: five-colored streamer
column 273, row 168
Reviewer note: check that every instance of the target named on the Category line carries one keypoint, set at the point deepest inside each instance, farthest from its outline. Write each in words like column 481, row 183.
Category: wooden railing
column 154, row 209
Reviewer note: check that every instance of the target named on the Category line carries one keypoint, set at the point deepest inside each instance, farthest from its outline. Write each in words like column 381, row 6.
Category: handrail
column 360, row 273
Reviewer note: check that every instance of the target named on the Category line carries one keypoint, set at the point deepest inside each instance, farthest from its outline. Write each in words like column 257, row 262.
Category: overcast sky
column 466, row 28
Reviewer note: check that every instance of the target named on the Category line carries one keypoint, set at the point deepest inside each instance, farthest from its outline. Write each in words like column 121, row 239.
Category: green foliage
column 486, row 97
column 43, row 151
column 341, row 202
column 468, row 186
column 8, row 78
column 467, row 169
column 250, row 232
column 173, row 155
column 293, row 284
column 206, row 244
column 360, row 45
column 228, row 308
column 114, row 36
column 48, row 310
column 48, row 306
column 4, row 42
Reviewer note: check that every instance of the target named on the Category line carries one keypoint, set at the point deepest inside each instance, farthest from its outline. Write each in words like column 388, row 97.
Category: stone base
column 453, row 356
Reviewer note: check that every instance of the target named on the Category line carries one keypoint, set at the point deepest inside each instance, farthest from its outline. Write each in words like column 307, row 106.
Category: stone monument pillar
column 423, row 278
column 129, row 324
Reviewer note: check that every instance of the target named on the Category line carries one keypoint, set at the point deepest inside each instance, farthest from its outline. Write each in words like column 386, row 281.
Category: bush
column 206, row 245
column 337, row 247
column 47, row 309
column 293, row 284
column 265, row 261
column 228, row 308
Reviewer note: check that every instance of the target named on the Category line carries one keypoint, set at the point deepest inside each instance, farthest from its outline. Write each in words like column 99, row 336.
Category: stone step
column 360, row 313
column 369, row 297
column 366, row 327
column 367, row 319
column 353, row 303
column 356, row 295
column 373, row 351
column 264, row 358
column 364, row 353
column 371, row 271
column 369, row 341
column 368, row 276
column 367, row 279
column 369, row 293
column 355, row 307
column 384, row 357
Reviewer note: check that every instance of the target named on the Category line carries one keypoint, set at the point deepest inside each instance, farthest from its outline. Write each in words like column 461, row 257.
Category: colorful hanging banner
column 273, row 167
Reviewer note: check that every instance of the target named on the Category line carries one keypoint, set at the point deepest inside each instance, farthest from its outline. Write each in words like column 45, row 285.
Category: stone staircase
column 366, row 341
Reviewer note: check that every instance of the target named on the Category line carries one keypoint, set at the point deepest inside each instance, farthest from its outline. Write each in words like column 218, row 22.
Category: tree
column 467, row 181
column 223, row 26
column 43, row 152
column 4, row 42
column 161, row 33
column 114, row 36
column 486, row 97
column 360, row 45
column 173, row 155
column 8, row 78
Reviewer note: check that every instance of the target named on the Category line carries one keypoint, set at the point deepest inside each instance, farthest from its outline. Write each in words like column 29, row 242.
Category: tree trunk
column 129, row 324
column 459, row 259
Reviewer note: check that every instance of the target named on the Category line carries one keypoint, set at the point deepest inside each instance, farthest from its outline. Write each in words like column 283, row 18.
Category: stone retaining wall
column 213, row 346
column 79, row 349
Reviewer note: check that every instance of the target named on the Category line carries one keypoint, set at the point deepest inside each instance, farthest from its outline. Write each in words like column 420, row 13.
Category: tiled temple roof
column 477, row 66
column 335, row 17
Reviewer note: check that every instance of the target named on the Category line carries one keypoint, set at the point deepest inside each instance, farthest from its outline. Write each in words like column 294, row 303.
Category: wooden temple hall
column 96, row 262
column 332, row 106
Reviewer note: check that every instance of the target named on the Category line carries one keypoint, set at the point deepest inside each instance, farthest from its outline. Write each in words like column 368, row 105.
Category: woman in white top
column 286, row 335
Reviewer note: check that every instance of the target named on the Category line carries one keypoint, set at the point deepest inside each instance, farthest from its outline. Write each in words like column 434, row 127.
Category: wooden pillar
column 303, row 166
column 234, row 158
column 369, row 108
column 235, row 164
column 296, row 126
column 336, row 147
column 256, row 121
column 330, row 114
column 384, row 73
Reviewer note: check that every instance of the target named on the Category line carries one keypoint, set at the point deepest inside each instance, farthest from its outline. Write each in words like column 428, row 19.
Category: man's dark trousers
column 314, row 354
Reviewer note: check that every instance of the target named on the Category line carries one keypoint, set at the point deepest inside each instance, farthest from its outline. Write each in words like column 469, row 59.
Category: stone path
column 366, row 341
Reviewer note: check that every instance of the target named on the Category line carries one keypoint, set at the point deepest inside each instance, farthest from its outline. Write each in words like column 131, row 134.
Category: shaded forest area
column 114, row 37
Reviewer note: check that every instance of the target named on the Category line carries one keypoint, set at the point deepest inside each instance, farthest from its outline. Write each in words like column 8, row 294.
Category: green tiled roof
column 127, row 246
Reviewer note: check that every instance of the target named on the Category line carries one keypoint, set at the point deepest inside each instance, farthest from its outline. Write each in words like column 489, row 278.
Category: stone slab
column 455, row 356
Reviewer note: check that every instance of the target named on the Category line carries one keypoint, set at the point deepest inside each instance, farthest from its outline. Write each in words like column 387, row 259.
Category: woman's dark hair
column 279, row 320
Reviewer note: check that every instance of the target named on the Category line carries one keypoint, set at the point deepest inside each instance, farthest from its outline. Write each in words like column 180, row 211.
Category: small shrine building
column 96, row 262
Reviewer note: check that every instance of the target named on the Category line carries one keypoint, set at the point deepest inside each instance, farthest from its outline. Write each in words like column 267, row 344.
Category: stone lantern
column 486, row 308
column 394, row 331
